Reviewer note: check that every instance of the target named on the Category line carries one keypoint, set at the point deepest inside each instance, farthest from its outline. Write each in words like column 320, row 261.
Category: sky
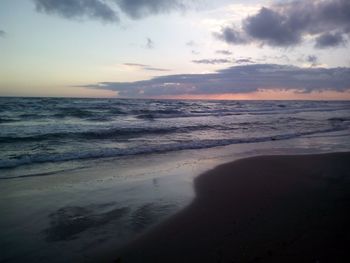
column 195, row 49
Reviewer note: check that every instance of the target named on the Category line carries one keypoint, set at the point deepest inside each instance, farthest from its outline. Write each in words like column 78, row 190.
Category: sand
column 259, row 209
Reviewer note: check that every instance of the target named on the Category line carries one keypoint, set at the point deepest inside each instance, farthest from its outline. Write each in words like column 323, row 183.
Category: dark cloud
column 313, row 60
column 145, row 67
column 287, row 24
column 140, row 8
column 212, row 61
column 2, row 33
column 78, row 9
column 329, row 40
column 223, row 52
column 149, row 43
column 231, row 35
column 105, row 10
column 236, row 79
column 272, row 28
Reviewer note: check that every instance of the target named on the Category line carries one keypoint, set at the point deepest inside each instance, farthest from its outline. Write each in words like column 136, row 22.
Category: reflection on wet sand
column 68, row 222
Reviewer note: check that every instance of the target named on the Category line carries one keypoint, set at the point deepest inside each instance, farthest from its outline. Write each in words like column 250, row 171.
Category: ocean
column 56, row 130
column 83, row 177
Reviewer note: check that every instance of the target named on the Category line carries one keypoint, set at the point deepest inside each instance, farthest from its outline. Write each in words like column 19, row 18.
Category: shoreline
column 259, row 209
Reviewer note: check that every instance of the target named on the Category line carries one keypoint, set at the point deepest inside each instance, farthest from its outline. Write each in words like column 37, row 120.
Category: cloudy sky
column 176, row 49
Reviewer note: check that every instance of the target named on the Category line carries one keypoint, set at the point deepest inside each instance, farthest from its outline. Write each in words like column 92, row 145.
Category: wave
column 7, row 120
column 105, row 134
column 132, row 132
column 38, row 174
column 151, row 115
column 180, row 145
column 338, row 119
column 73, row 112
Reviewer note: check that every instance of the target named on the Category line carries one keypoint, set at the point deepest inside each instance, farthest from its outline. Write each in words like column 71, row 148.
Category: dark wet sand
column 260, row 209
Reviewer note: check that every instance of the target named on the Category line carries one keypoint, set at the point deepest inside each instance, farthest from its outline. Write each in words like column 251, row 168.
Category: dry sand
column 260, row 209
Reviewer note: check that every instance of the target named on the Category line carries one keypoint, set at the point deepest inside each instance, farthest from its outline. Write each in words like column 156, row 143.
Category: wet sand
column 259, row 209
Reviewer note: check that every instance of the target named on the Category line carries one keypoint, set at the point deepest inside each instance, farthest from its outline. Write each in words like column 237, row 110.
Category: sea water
column 57, row 130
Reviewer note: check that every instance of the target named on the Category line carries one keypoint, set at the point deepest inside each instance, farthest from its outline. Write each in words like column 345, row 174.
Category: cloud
column 310, row 61
column 243, row 60
column 313, row 60
column 191, row 44
column 288, row 24
column 155, row 69
column 236, row 79
column 78, row 9
column 194, row 45
column 149, row 43
column 272, row 27
column 212, row 61
column 231, row 36
column 145, row 67
column 141, row 8
column 223, row 52
column 134, row 65
column 2, row 33
column 276, row 57
column 105, row 10
column 329, row 40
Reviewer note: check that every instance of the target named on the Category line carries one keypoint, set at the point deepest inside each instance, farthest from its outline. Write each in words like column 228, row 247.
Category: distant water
column 51, row 130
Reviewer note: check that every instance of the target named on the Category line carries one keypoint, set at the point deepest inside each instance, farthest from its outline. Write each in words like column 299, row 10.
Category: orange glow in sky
column 269, row 95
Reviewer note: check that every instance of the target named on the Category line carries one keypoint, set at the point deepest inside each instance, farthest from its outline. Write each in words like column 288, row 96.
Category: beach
column 259, row 209
column 81, row 180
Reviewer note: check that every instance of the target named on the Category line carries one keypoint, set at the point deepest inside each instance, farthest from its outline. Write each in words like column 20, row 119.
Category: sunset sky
column 196, row 49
